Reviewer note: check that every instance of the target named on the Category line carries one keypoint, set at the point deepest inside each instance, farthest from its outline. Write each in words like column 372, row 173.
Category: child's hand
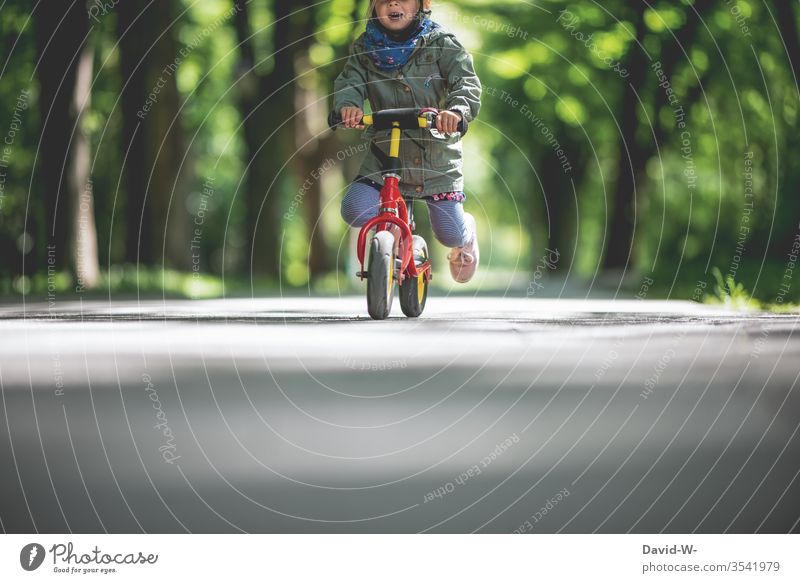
column 447, row 122
column 351, row 117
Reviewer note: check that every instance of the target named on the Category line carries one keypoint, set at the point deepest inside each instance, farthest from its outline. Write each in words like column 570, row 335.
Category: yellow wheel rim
column 421, row 283
column 390, row 279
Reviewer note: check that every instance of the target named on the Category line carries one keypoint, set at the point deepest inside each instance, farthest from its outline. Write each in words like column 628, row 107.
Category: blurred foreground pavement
column 487, row 414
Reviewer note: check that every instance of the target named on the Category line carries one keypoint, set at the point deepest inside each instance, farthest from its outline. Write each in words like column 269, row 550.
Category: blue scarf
column 388, row 54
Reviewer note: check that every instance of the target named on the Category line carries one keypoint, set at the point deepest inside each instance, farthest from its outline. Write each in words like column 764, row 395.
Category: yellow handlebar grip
column 367, row 120
column 423, row 121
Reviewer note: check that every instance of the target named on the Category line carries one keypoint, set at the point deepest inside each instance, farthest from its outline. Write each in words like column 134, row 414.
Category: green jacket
column 438, row 74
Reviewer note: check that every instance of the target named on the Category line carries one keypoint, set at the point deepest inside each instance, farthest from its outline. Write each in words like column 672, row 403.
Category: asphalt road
column 488, row 414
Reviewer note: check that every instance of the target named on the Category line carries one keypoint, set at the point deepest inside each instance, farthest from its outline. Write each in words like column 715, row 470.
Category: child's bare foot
column 464, row 260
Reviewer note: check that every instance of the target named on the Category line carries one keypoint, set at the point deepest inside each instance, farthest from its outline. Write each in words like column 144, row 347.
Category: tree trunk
column 157, row 223
column 312, row 145
column 65, row 73
column 787, row 212
column 620, row 237
column 308, row 166
column 83, row 232
column 267, row 106
column 633, row 156
column 560, row 203
column 787, row 24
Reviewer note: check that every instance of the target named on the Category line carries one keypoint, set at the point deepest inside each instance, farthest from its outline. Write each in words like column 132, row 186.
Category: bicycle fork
column 393, row 210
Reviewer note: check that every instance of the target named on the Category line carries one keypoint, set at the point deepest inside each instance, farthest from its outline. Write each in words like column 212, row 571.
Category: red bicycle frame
column 393, row 209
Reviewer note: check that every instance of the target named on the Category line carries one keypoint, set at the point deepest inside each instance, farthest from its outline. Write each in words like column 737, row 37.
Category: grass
column 734, row 296
column 128, row 281
column 120, row 280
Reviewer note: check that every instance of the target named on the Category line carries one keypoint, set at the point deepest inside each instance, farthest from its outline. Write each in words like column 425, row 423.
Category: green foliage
column 542, row 77
column 730, row 294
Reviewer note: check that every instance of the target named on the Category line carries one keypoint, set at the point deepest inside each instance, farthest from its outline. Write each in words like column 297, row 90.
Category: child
column 404, row 59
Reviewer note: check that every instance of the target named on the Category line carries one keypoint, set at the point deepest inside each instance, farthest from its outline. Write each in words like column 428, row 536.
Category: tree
column 631, row 160
column 633, row 154
column 560, row 200
column 65, row 74
column 266, row 101
column 157, row 225
column 788, row 203
column 311, row 143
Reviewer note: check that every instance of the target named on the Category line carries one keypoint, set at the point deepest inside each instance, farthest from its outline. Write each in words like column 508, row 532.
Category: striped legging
column 362, row 199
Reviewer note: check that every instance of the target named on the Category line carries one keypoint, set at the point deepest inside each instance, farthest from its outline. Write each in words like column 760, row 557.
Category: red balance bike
column 395, row 255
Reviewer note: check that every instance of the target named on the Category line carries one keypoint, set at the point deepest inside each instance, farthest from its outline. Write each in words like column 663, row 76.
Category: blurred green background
column 180, row 147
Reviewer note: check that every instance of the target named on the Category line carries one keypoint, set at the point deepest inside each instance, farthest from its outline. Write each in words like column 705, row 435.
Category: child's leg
column 448, row 223
column 360, row 203
column 457, row 229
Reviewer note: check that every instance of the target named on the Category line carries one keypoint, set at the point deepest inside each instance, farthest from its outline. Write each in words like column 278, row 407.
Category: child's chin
column 396, row 25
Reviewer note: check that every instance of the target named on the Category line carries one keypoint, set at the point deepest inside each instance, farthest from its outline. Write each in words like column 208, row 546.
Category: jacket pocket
column 444, row 154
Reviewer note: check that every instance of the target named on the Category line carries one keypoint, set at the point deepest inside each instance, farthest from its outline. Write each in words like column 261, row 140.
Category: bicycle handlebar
column 407, row 118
